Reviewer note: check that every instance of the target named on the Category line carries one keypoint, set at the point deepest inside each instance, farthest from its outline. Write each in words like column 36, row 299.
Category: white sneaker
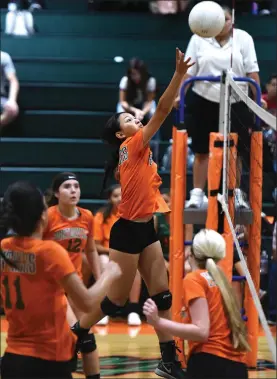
column 205, row 202
column 134, row 319
column 104, row 321
column 240, row 202
column 196, row 198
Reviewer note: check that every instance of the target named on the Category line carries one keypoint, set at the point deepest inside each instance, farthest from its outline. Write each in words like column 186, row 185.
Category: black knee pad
column 109, row 308
column 87, row 344
column 163, row 300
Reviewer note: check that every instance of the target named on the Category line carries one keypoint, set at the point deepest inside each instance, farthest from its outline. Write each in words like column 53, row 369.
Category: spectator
column 166, row 159
column 9, row 107
column 168, row 6
column 137, row 92
column 269, row 102
column 270, row 97
column 19, row 20
column 273, row 281
column 30, row 5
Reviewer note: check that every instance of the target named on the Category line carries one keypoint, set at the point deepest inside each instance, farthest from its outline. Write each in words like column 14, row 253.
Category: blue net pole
column 215, row 79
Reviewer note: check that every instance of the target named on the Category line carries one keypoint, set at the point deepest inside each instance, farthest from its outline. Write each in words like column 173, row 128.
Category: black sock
column 95, row 376
column 133, row 308
column 168, row 351
column 78, row 330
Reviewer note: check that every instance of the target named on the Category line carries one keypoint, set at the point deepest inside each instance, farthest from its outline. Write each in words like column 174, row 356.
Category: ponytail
column 237, row 326
column 110, row 168
column 50, row 198
column 21, row 211
column 3, row 233
column 109, row 135
column 107, row 209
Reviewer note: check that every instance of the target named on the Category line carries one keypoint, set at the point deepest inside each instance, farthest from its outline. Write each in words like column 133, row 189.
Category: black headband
column 63, row 177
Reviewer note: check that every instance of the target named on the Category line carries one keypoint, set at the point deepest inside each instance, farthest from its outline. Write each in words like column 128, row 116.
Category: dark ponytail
column 109, row 136
column 21, row 211
column 50, row 197
column 107, row 209
column 3, row 234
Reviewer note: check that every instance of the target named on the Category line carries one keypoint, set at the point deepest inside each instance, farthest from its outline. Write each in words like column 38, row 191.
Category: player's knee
column 163, row 300
column 88, row 344
column 109, row 308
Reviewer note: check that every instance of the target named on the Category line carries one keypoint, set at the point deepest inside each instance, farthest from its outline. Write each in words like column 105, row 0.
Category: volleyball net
column 240, row 176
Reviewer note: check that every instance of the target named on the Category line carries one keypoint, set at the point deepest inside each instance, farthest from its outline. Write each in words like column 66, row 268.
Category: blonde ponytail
column 239, row 335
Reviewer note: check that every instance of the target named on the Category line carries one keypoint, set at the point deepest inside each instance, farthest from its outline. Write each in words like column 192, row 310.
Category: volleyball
column 206, row 19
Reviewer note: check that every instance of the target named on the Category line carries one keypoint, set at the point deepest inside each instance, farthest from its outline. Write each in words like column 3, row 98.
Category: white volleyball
column 207, row 19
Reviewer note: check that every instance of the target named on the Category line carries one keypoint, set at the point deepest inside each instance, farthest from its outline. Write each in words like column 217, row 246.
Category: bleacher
column 69, row 87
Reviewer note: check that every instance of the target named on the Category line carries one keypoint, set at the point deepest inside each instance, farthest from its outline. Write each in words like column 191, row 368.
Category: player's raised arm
column 166, row 102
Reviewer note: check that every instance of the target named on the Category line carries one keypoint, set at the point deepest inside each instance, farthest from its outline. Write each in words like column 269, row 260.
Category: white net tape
column 267, row 117
column 270, row 120
column 256, row 300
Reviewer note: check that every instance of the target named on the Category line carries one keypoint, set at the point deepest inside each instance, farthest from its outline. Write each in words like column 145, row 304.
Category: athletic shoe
column 196, row 198
column 104, row 321
column 133, row 319
column 171, row 370
column 240, row 199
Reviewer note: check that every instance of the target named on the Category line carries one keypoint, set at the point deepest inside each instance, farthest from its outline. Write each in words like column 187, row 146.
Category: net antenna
column 232, row 32
column 228, row 84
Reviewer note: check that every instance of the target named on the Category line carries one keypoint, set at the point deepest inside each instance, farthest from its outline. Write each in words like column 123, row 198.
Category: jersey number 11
column 19, row 304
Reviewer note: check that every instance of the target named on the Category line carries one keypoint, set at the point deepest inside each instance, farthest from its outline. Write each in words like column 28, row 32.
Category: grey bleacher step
column 199, row 216
column 68, row 96
column 45, row 152
column 70, row 124
column 90, row 178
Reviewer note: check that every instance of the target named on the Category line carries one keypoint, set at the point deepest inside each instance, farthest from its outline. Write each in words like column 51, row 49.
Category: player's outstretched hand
column 182, row 65
column 150, row 310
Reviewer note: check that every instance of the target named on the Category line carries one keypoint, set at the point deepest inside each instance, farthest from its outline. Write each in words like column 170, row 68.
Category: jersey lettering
column 123, row 155
column 69, row 233
column 25, row 262
column 150, row 159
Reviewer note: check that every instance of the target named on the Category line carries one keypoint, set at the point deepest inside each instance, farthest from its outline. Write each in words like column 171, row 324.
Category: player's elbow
column 203, row 334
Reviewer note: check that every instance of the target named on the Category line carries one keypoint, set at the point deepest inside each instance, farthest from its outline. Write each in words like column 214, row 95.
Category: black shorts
column 204, row 366
column 202, row 118
column 132, row 237
column 22, row 366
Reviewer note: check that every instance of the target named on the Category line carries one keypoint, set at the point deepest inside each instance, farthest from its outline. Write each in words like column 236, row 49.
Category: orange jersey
column 34, row 301
column 200, row 284
column 139, row 180
column 102, row 230
column 71, row 234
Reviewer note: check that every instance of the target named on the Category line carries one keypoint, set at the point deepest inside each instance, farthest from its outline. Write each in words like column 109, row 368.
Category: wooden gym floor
column 132, row 352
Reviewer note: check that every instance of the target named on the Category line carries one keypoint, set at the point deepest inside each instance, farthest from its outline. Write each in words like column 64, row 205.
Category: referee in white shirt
column 212, row 56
